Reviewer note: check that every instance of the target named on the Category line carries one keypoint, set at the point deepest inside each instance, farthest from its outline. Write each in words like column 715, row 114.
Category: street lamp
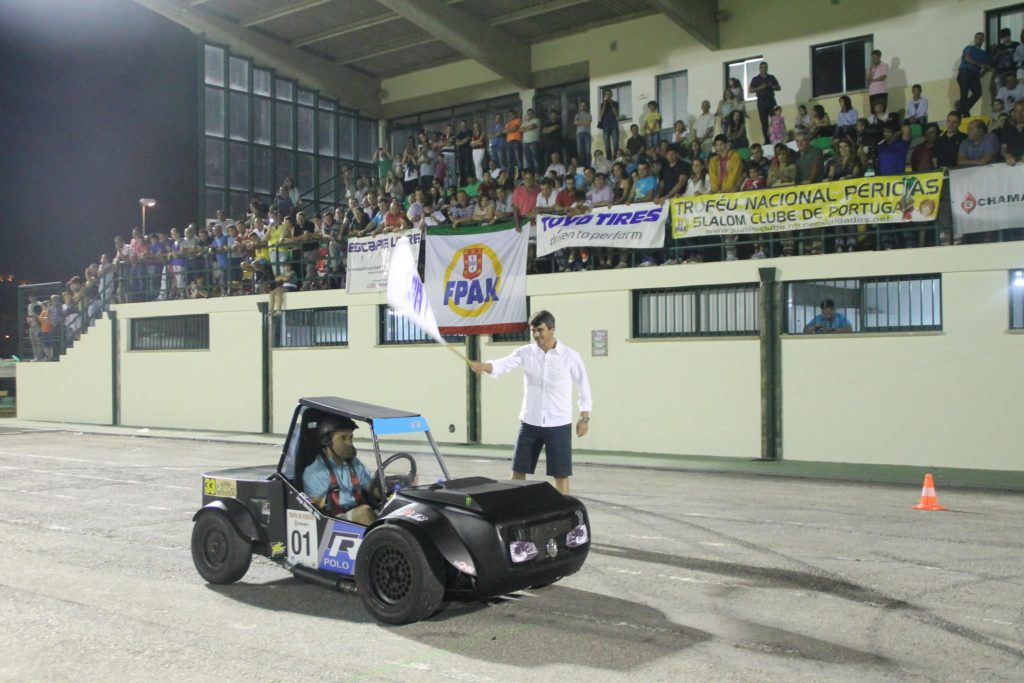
column 146, row 203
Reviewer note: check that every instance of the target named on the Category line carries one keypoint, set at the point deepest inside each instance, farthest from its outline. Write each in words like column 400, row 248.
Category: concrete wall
column 77, row 389
column 638, row 51
column 929, row 398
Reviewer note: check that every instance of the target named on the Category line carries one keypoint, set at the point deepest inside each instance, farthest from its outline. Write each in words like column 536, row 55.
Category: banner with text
column 987, row 197
column 881, row 199
column 368, row 258
column 636, row 226
column 476, row 278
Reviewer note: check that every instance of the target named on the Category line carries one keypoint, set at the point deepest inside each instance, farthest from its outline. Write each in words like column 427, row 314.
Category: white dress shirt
column 547, row 383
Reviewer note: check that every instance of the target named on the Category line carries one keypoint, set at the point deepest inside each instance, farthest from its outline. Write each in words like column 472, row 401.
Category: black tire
column 398, row 579
column 220, row 553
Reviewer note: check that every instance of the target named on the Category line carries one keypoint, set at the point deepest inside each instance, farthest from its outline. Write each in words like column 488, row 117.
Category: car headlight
column 578, row 536
column 522, row 551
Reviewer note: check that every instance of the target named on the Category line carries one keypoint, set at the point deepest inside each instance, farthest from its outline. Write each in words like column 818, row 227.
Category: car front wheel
column 398, row 579
column 220, row 553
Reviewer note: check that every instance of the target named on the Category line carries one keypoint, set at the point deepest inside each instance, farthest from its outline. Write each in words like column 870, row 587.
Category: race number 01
column 297, row 538
column 302, row 539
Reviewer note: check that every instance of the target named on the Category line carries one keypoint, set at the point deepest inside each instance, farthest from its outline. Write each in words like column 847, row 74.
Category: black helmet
column 328, row 424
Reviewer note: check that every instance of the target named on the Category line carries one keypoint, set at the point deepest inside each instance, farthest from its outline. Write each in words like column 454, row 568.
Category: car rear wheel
column 398, row 579
column 220, row 553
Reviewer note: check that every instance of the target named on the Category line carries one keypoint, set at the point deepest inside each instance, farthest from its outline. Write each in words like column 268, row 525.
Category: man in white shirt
column 1012, row 92
column 704, row 126
column 556, row 165
column 550, row 369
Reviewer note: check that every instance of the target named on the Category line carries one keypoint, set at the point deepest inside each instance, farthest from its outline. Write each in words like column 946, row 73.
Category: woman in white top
column 699, row 182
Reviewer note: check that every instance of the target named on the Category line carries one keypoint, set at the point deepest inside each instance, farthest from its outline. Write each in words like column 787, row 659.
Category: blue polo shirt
column 836, row 323
column 977, row 54
column 892, row 157
column 316, row 481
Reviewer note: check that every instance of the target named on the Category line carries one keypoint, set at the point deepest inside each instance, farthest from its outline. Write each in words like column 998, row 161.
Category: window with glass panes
column 743, row 70
column 259, row 129
column 672, row 95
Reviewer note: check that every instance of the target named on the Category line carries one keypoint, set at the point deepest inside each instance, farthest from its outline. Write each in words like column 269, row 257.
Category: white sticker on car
column 303, row 543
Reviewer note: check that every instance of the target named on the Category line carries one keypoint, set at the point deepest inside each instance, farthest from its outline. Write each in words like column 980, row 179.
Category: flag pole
column 458, row 353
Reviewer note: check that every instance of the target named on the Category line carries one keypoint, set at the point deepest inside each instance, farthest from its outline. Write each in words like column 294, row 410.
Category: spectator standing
column 1003, row 58
column 531, row 141
column 478, row 147
column 704, row 127
column 892, row 150
column 652, row 124
column 764, row 85
column 878, row 71
column 448, row 154
column 425, row 159
column 777, row 125
column 550, row 369
column 496, row 140
column 980, row 148
column 608, row 122
column 738, row 131
column 924, row 157
column 725, row 168
column 974, row 61
column 726, row 106
column 551, row 135
column 583, row 121
column 947, row 147
column 464, row 151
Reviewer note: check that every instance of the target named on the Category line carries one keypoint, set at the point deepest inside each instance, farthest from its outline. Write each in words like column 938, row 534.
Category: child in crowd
column 287, row 281
column 652, row 124
column 803, row 120
column 754, row 180
column 197, row 288
column 777, row 122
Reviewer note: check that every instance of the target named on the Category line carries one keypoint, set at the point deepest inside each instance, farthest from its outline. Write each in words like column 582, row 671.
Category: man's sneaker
column 621, row 264
column 647, row 262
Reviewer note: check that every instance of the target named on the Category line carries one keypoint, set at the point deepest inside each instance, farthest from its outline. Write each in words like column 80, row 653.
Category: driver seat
column 308, row 447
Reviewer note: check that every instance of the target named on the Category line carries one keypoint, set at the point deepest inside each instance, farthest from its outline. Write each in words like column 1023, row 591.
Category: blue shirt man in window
column 337, row 481
column 828, row 321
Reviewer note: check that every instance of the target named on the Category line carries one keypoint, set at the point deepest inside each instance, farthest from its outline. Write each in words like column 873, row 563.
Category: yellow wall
column 217, row 389
column 419, row 377
column 947, row 398
column 76, row 389
column 780, row 31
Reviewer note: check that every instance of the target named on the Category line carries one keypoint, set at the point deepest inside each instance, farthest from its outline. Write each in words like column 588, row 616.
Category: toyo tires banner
column 626, row 226
column 476, row 278
column 987, row 197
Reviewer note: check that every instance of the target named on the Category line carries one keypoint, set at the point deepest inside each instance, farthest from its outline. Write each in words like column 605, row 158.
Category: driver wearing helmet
column 337, row 481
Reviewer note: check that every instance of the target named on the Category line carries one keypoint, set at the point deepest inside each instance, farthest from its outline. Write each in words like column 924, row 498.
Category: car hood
column 493, row 500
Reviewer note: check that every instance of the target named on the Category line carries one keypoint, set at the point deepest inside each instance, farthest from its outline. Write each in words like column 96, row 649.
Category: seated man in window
column 828, row 321
column 337, row 481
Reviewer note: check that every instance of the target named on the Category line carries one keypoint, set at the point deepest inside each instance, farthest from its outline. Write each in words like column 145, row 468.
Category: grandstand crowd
column 512, row 168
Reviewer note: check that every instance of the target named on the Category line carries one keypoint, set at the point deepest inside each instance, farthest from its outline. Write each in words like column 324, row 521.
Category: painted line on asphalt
column 134, row 482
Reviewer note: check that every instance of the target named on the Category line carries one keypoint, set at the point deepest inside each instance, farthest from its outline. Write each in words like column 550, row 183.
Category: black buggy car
column 472, row 536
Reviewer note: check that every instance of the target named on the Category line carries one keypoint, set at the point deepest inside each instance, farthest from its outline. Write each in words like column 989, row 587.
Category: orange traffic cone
column 929, row 501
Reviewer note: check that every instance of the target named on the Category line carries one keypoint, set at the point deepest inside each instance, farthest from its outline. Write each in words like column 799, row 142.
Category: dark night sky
column 98, row 109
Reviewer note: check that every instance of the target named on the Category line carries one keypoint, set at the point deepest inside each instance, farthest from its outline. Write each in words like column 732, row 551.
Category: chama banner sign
column 881, row 199
column 476, row 278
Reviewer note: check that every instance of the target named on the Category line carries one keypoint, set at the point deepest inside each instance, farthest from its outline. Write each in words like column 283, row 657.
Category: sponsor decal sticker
column 339, row 546
column 223, row 488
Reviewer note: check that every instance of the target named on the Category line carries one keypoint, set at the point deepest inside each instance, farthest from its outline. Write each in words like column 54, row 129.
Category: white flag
column 406, row 293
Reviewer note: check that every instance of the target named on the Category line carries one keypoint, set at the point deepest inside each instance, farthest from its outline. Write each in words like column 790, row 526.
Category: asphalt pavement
column 695, row 576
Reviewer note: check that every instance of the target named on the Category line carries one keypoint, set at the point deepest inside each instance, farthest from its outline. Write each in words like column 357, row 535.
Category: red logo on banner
column 969, row 203
column 472, row 263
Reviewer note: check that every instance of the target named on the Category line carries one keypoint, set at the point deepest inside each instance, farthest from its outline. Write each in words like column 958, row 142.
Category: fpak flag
column 476, row 278
column 406, row 293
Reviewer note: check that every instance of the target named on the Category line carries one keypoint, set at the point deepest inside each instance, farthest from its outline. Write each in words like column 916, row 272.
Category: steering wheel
column 403, row 480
